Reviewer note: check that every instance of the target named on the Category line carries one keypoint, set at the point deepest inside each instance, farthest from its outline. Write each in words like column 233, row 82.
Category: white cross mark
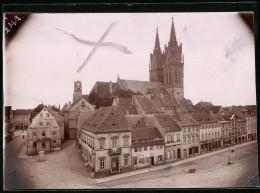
column 100, row 43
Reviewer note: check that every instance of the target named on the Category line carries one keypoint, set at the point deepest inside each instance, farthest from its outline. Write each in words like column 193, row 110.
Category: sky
column 41, row 62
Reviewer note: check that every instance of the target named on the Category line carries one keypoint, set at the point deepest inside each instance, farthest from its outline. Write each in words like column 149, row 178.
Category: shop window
column 43, row 144
column 54, row 141
column 34, row 144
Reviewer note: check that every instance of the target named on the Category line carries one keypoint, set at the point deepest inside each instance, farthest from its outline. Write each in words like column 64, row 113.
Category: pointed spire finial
column 157, row 41
column 173, row 35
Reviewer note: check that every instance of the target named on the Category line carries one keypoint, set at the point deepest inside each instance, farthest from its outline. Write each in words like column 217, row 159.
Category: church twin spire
column 172, row 41
column 157, row 42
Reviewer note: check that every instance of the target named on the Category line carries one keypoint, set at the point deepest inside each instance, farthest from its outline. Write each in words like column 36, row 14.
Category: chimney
column 110, row 87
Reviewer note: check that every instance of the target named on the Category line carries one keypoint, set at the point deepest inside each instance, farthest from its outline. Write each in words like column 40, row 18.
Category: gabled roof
column 185, row 120
column 58, row 117
column 147, row 106
column 217, row 117
column 102, row 88
column 203, row 118
column 82, row 99
column 22, row 112
column 135, row 120
column 167, row 122
column 84, row 116
column 145, row 134
column 164, row 101
column 136, row 85
column 65, row 107
column 106, row 119
column 126, row 105
column 187, row 106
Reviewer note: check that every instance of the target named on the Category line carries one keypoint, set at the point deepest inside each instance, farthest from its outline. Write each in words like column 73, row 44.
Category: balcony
column 114, row 151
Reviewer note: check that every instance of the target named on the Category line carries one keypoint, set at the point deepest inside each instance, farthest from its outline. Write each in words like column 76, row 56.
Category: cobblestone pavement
column 61, row 170
column 210, row 172
column 65, row 170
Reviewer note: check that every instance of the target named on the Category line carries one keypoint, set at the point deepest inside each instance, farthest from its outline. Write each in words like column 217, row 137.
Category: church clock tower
column 77, row 95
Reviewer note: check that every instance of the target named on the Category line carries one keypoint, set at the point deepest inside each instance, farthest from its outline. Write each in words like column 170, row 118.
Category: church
column 167, row 66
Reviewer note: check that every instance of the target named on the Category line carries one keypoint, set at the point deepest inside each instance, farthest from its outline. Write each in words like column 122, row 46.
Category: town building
column 9, row 127
column 191, row 134
column 210, row 132
column 172, row 134
column 46, row 132
column 21, row 118
column 72, row 111
column 105, row 140
column 147, row 147
column 234, row 131
column 167, row 67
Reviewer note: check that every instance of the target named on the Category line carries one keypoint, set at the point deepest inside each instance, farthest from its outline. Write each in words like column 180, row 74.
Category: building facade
column 210, row 132
column 21, row 118
column 45, row 132
column 147, row 147
column 191, row 134
column 105, row 140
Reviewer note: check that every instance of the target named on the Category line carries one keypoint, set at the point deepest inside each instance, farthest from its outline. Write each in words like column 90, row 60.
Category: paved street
column 13, row 168
column 210, row 172
column 65, row 170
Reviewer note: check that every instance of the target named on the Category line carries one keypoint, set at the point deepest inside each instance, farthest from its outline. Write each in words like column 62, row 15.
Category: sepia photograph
column 129, row 100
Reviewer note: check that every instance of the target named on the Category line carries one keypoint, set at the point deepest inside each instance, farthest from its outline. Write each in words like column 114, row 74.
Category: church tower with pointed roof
column 168, row 65
column 156, row 62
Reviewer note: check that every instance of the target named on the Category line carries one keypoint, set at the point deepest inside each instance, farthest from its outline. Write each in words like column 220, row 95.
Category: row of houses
column 112, row 141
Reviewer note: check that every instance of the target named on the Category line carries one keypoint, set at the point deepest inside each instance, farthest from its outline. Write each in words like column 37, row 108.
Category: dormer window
column 113, row 125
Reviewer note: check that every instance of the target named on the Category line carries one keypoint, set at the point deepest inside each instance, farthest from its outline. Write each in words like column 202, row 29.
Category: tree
column 38, row 108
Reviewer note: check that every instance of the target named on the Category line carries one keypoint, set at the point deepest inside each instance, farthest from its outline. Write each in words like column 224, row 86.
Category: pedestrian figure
column 23, row 136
